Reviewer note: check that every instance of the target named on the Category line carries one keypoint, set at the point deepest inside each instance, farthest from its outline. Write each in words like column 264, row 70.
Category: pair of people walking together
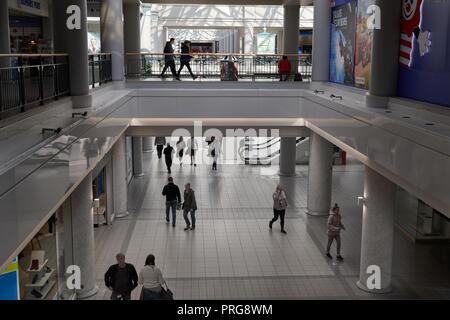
column 173, row 202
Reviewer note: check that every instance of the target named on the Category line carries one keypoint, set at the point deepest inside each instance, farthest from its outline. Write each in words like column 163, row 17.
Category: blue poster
column 424, row 72
column 342, row 53
column 9, row 282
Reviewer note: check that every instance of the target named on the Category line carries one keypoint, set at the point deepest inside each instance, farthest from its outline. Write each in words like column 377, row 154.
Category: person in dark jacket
column 169, row 59
column 121, row 279
column 185, row 59
column 160, row 142
column 189, row 206
column 168, row 154
column 173, row 197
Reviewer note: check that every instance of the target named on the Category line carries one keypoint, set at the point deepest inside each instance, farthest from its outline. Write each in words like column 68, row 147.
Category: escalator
column 263, row 151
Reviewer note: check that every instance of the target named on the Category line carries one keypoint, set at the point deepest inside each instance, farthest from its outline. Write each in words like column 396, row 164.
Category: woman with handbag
column 279, row 207
column 181, row 145
column 151, row 279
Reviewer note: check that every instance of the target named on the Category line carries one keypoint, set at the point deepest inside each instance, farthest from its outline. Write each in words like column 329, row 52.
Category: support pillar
column 111, row 28
column 83, row 237
column 320, row 172
column 291, row 32
column 377, row 231
column 138, row 159
column 147, row 144
column 288, row 150
column 5, row 46
column 120, row 185
column 132, row 37
column 75, row 43
column 321, row 41
column 248, row 38
column 385, row 55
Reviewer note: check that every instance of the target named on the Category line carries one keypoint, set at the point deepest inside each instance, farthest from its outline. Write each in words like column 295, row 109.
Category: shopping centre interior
column 361, row 119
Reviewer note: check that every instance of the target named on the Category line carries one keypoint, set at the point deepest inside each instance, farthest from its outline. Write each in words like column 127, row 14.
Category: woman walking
column 151, row 279
column 181, row 145
column 279, row 207
column 214, row 151
column 189, row 206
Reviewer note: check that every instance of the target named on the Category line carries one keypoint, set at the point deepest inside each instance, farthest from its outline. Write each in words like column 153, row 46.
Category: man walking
column 168, row 154
column 160, row 142
column 121, row 279
column 185, row 59
column 169, row 59
column 173, row 197
column 334, row 231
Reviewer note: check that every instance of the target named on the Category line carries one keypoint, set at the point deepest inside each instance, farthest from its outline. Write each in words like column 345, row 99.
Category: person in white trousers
column 181, row 145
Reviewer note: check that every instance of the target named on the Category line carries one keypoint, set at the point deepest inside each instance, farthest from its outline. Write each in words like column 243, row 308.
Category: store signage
column 30, row 3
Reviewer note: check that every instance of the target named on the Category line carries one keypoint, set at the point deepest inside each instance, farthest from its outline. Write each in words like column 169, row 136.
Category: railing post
column 56, row 79
column 21, row 85
column 93, row 70
column 100, row 70
column 41, row 81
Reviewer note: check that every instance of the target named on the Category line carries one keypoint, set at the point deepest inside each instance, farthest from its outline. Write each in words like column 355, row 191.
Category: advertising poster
column 342, row 53
column 363, row 44
column 424, row 72
column 266, row 43
column 94, row 44
column 9, row 282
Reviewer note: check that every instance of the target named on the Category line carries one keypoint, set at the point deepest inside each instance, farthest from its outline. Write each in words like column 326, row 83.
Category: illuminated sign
column 30, row 3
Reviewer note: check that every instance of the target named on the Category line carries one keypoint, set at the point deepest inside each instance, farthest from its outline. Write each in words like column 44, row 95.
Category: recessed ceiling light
column 429, row 124
column 406, row 117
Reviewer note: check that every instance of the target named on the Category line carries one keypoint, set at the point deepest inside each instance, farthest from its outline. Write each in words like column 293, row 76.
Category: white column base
column 84, row 295
column 379, row 291
column 82, row 101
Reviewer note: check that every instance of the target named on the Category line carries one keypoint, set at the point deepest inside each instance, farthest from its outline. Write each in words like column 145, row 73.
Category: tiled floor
column 232, row 254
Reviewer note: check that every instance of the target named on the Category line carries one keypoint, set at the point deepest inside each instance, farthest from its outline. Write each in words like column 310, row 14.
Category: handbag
column 179, row 206
column 166, row 294
column 283, row 203
column 213, row 153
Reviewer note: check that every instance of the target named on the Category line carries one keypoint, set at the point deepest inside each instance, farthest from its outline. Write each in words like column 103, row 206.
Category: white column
column 132, row 37
column 111, row 26
column 321, row 41
column 320, row 172
column 146, row 34
column 4, row 33
column 291, row 34
column 384, row 56
column 83, row 237
column 147, row 144
column 138, row 157
column 288, row 150
column 75, row 43
column 248, row 38
column 377, row 231
column 120, row 178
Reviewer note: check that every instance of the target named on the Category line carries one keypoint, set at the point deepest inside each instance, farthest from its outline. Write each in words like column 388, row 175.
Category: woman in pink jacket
column 334, row 231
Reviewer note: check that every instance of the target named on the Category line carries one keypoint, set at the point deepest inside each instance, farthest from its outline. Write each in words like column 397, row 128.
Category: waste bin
column 228, row 69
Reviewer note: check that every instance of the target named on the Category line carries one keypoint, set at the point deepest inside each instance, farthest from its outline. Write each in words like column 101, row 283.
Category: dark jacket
column 168, row 152
column 185, row 57
column 168, row 49
column 189, row 201
column 172, row 192
column 110, row 276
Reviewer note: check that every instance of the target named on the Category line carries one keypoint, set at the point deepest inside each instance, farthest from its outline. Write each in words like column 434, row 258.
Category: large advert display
column 424, row 72
column 342, row 52
column 363, row 51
